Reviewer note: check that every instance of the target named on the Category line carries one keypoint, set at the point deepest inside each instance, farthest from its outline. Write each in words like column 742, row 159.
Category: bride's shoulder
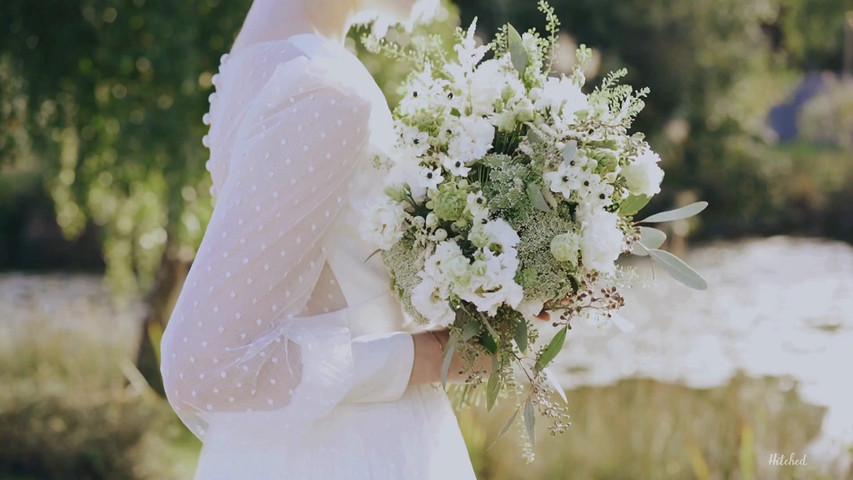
column 287, row 62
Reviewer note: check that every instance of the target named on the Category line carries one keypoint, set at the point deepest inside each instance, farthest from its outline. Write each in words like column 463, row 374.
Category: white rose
column 383, row 223
column 643, row 175
column 565, row 247
column 428, row 300
column 487, row 83
column 562, row 98
column 472, row 139
column 601, row 240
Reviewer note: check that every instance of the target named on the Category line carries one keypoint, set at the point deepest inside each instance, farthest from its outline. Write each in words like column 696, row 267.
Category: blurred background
column 104, row 198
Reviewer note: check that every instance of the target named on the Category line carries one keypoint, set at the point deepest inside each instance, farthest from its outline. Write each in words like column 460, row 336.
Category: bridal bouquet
column 510, row 196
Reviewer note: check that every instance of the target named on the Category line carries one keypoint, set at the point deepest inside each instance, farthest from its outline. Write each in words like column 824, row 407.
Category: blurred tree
column 105, row 99
column 108, row 97
column 715, row 67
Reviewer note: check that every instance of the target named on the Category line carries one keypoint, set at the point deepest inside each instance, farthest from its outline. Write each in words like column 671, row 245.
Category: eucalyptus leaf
column 517, row 53
column 679, row 270
column 649, row 238
column 633, row 204
column 449, row 349
column 521, row 335
column 553, row 348
column 493, row 387
column 530, row 420
column 506, row 427
column 536, row 197
column 552, row 379
column 469, row 331
column 488, row 342
column 490, row 328
column 677, row 214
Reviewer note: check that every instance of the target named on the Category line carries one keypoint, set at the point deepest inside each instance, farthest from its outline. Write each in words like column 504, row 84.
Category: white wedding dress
column 286, row 351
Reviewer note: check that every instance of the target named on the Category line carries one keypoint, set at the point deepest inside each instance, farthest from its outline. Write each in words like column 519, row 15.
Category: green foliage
column 114, row 94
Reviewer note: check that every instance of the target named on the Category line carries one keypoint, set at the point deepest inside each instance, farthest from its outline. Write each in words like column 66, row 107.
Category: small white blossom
column 430, row 178
column 455, row 166
column 476, row 206
column 569, row 176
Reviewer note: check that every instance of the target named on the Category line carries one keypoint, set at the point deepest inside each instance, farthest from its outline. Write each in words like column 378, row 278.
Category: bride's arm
column 429, row 358
column 234, row 341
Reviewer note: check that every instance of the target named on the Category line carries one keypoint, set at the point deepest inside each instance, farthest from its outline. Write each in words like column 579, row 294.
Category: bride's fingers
column 544, row 316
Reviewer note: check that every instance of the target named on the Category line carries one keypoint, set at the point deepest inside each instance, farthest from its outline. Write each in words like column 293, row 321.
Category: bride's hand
column 429, row 357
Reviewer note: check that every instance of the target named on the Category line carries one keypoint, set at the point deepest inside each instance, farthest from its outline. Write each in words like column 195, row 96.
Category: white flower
column 429, row 178
column 594, row 192
column 569, row 175
column 643, row 175
column 471, row 140
column 382, row 223
column 431, row 302
column 414, row 141
column 562, row 98
column 487, row 83
column 494, row 287
column 601, row 240
column 530, row 307
column 407, row 171
column 455, row 166
column 565, row 247
column 424, row 93
column 468, row 53
column 435, row 265
column 476, row 205
column 431, row 220
column 502, row 234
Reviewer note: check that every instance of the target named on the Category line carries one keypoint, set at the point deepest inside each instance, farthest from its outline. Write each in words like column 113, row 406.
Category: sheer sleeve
column 235, row 343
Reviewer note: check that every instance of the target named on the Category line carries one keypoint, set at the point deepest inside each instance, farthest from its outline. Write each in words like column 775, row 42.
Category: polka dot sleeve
column 236, row 342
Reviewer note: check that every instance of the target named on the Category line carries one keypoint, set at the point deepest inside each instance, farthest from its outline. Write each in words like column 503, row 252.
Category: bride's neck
column 269, row 20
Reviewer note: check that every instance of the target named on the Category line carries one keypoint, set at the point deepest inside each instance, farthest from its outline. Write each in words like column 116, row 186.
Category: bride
column 286, row 352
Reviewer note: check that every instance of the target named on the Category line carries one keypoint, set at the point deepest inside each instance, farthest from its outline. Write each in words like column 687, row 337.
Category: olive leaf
column 677, row 214
column 553, row 348
column 679, row 270
column 530, row 420
column 517, row 53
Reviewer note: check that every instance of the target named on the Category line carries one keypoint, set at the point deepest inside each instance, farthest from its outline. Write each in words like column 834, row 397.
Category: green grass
column 68, row 411
column 644, row 429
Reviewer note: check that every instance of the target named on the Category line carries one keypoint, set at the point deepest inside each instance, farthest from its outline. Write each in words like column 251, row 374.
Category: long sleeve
column 236, row 342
